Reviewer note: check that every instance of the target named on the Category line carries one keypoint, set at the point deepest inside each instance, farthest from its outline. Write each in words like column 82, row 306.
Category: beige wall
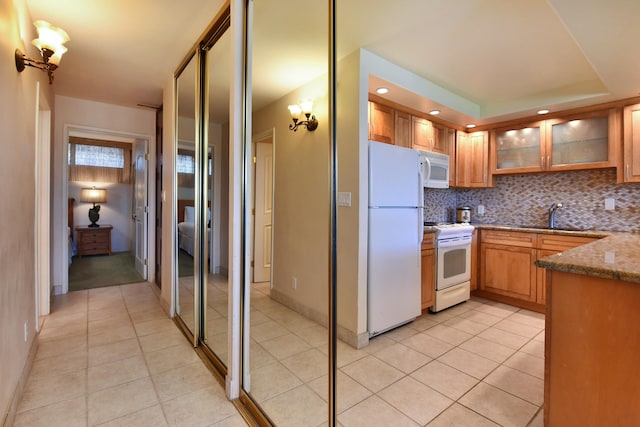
column 301, row 196
column 301, row 201
column 95, row 115
column 17, row 186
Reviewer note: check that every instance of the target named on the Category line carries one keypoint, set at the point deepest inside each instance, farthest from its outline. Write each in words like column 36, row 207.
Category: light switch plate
column 344, row 198
column 480, row 209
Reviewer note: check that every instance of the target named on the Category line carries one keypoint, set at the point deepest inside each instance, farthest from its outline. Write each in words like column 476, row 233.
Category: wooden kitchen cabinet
column 574, row 142
column 518, row 149
column 94, row 240
column 551, row 244
column 428, row 270
column 592, row 326
column 629, row 170
column 474, row 260
column 381, row 123
column 507, row 265
column 443, row 138
column 402, row 129
column 583, row 141
column 508, row 270
column 472, row 160
column 422, row 134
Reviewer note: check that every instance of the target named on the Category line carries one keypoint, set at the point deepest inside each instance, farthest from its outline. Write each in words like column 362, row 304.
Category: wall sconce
column 50, row 42
column 296, row 110
column 93, row 195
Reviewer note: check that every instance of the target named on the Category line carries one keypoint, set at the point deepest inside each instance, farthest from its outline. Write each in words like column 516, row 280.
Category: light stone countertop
column 544, row 230
column 615, row 257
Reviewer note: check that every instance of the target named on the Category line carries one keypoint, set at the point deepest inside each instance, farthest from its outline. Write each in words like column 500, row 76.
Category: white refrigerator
column 396, row 228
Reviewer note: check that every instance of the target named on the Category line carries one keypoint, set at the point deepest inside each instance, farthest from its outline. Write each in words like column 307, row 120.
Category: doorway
column 262, row 207
column 109, row 248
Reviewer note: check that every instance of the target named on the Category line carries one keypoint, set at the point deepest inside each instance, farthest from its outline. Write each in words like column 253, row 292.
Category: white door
column 140, row 205
column 263, row 212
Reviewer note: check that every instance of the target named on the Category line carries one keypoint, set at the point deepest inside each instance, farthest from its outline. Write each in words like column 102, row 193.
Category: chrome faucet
column 552, row 214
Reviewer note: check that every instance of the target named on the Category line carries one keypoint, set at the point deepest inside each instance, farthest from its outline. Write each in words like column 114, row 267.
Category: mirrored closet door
column 285, row 337
column 201, row 194
column 185, row 193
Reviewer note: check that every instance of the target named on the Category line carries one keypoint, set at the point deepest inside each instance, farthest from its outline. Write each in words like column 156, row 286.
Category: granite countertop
column 544, row 230
column 615, row 257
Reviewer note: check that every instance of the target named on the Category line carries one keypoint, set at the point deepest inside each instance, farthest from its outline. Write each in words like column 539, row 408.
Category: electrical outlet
column 480, row 209
column 609, row 204
column 294, row 282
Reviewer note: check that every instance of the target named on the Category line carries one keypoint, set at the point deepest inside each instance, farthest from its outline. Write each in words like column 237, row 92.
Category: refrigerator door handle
column 420, row 205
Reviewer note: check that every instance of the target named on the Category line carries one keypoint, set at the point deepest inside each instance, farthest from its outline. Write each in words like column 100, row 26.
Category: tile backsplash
column 525, row 199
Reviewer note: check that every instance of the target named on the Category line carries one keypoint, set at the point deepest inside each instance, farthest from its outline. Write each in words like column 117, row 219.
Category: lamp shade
column 295, row 111
column 93, row 195
column 49, row 36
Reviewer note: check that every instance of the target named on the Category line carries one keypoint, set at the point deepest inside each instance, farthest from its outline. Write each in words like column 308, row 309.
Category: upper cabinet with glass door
column 584, row 141
column 518, row 149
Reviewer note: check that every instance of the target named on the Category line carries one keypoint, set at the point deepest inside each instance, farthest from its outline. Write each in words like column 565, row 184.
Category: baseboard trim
column 355, row 340
column 10, row 415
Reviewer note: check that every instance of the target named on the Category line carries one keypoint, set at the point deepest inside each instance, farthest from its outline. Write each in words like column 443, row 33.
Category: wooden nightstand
column 94, row 240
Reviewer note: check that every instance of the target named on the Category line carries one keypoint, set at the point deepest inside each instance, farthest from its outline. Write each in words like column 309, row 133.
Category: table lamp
column 93, row 195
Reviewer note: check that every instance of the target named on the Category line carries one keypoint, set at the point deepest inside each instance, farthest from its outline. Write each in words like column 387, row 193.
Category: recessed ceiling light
column 544, row 111
column 471, row 125
column 434, row 112
column 382, row 90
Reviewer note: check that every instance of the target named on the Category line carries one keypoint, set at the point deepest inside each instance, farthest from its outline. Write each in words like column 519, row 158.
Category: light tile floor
column 480, row 363
column 110, row 357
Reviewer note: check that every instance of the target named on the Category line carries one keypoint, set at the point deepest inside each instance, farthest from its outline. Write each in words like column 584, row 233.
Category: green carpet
column 185, row 264
column 96, row 271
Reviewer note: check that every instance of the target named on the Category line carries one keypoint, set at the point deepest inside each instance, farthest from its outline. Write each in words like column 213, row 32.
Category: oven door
column 454, row 262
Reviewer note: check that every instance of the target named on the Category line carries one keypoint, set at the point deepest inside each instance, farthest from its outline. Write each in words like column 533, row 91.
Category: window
column 92, row 155
column 185, row 163
column 99, row 161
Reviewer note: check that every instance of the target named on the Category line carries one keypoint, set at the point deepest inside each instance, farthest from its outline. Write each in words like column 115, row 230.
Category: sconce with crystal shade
column 50, row 42
column 298, row 111
column 93, row 195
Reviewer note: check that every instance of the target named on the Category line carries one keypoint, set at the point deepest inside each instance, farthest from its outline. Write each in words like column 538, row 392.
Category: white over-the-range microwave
column 435, row 169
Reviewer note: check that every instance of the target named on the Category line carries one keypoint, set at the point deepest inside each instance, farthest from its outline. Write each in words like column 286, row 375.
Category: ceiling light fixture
column 471, row 125
column 382, row 90
column 543, row 111
column 434, row 112
column 50, row 42
column 298, row 110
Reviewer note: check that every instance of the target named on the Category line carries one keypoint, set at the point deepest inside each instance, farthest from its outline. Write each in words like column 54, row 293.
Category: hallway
column 111, row 357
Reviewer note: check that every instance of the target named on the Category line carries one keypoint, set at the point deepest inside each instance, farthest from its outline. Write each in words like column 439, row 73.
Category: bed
column 186, row 219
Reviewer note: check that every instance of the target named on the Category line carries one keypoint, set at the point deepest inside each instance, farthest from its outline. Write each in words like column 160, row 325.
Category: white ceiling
column 508, row 58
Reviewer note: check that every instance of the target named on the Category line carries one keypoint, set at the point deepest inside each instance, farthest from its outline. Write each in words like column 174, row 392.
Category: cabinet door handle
column 628, row 176
column 542, row 162
column 548, row 162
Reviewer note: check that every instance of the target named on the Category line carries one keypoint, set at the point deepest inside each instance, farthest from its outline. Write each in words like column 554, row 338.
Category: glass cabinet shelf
column 580, row 141
column 518, row 148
